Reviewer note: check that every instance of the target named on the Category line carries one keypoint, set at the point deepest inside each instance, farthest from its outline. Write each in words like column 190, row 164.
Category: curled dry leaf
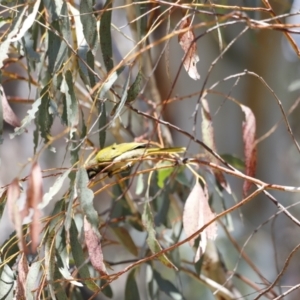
column 250, row 150
column 34, row 198
column 8, row 114
column 195, row 215
column 93, row 243
column 15, row 215
column 22, row 276
column 188, row 44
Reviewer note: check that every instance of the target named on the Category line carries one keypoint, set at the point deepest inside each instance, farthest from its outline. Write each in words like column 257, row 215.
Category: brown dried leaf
column 250, row 150
column 93, row 243
column 196, row 214
column 34, row 198
column 15, row 215
column 22, row 276
column 208, row 137
column 188, row 44
column 8, row 114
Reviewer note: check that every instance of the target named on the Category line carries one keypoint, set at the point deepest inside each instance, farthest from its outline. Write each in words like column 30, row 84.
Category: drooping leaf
column 93, row 244
column 234, row 161
column 31, row 281
column 26, row 121
column 72, row 110
column 208, row 138
column 63, row 267
column 86, row 196
column 22, row 276
column 105, row 36
column 167, row 287
column 56, row 187
column 135, row 88
column 102, row 123
column 15, row 214
column 119, row 106
column 45, row 118
column 89, row 23
column 79, row 259
column 131, row 288
column 34, row 198
column 188, row 44
column 250, row 150
column 196, row 214
column 153, row 243
column 50, row 262
column 125, row 239
column 28, row 21
column 107, row 291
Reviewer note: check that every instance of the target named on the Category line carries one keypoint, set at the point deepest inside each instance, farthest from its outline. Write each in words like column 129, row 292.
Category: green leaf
column 56, row 215
column 153, row 243
column 45, row 118
column 102, row 123
column 89, row 23
column 31, row 280
column 163, row 203
column 50, row 261
column 30, row 116
column 55, row 188
column 234, row 161
column 105, row 36
column 163, row 173
column 72, row 110
column 131, row 288
column 167, row 287
column 118, row 107
column 135, row 88
column 79, row 259
column 125, row 239
column 86, row 196
column 107, row 291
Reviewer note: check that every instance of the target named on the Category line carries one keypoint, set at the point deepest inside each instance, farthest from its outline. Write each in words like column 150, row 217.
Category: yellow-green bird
column 118, row 157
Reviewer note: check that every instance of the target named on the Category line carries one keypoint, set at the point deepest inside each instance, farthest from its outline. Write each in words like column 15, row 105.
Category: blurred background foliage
column 81, row 75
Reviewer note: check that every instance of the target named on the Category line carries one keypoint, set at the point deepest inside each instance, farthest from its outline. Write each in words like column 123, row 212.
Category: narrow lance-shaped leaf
column 22, row 275
column 195, row 215
column 31, row 282
column 45, row 118
column 16, row 216
column 34, row 198
column 126, row 239
column 79, row 259
column 208, row 137
column 153, row 243
column 135, row 88
column 89, row 23
column 118, row 107
column 105, row 36
column 28, row 21
column 167, row 286
column 131, row 288
column 86, row 196
column 93, row 243
column 250, row 150
column 188, row 44
column 67, row 87
column 102, row 123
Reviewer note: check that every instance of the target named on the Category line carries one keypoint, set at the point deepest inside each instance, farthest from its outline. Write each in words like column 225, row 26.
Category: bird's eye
column 113, row 148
